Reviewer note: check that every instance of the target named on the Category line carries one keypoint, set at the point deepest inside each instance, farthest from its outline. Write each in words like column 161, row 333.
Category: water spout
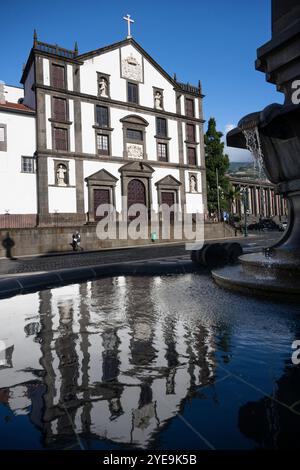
column 253, row 144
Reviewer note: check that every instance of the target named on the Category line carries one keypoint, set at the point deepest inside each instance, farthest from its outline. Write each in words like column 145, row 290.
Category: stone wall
column 57, row 239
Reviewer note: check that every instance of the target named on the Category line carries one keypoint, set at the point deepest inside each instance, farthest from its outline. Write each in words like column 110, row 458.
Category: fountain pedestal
column 277, row 129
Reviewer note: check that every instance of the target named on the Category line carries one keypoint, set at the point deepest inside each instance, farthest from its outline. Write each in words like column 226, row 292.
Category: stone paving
column 69, row 260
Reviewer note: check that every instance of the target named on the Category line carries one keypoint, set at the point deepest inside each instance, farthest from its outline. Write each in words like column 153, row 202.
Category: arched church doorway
column 136, row 194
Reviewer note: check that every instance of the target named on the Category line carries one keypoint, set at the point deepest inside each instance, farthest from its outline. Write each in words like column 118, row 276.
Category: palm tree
column 232, row 194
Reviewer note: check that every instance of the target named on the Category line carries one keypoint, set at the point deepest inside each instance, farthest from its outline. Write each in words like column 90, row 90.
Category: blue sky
column 211, row 40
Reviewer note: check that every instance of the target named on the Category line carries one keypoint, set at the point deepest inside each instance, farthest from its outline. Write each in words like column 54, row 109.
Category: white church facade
column 88, row 129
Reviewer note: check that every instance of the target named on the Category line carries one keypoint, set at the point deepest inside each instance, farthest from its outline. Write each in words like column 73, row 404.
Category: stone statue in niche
column 193, row 184
column 61, row 175
column 158, row 100
column 103, row 87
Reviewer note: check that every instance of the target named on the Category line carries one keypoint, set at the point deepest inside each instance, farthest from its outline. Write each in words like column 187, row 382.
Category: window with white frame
column 162, row 151
column 3, row 140
column 103, row 144
column 27, row 165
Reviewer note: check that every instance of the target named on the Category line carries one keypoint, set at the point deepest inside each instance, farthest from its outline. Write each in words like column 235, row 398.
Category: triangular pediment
column 168, row 180
column 118, row 45
column 135, row 166
column 134, row 119
column 102, row 175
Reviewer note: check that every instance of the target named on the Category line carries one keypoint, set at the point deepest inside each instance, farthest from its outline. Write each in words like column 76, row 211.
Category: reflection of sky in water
column 163, row 362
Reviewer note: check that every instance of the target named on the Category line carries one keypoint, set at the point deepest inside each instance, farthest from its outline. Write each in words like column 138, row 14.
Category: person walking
column 76, row 240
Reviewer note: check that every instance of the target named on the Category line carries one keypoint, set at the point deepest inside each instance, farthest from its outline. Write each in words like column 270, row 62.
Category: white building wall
column 72, row 126
column 173, row 143
column 109, row 64
column 196, row 106
column 117, row 134
column 17, row 190
column 13, row 93
column 62, row 200
column 48, row 123
column 88, row 133
column 194, row 201
column 153, row 78
column 70, row 77
column 46, row 71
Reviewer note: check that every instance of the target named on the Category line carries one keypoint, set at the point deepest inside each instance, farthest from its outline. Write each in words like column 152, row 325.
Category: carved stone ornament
column 132, row 69
column 135, row 151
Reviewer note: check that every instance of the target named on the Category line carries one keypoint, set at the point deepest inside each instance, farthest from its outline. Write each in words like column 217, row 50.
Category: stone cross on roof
column 129, row 20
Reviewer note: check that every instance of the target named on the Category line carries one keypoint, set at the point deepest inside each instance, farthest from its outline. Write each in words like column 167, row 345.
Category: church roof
column 73, row 56
column 18, row 107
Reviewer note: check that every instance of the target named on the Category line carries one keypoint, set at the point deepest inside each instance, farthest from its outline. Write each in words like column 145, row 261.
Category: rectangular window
column 27, row 165
column 161, row 127
column 102, row 116
column 134, row 134
column 191, row 151
column 190, row 133
column 3, row 138
column 162, row 151
column 189, row 107
column 58, row 76
column 103, row 144
column 60, row 139
column 59, row 109
column 133, row 93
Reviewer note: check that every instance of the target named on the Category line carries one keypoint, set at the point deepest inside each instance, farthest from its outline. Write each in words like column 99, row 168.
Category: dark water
column 162, row 363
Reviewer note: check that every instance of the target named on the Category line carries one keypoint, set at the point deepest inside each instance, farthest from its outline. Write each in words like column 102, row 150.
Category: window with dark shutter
column 161, row 127
column 133, row 93
column 60, row 139
column 58, row 76
column 190, row 133
column 189, row 107
column 191, row 151
column 134, row 134
column 59, row 109
column 102, row 116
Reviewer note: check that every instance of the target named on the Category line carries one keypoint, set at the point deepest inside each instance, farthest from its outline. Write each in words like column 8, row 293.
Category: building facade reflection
column 111, row 365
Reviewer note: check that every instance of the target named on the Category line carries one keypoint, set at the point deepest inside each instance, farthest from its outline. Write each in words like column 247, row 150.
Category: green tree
column 217, row 163
column 232, row 194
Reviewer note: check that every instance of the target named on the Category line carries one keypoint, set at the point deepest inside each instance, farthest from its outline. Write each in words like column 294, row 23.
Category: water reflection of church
column 112, row 368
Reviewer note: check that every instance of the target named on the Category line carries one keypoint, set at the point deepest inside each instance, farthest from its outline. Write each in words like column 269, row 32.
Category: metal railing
column 55, row 49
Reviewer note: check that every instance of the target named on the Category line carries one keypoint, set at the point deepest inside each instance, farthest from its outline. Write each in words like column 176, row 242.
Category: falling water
column 253, row 145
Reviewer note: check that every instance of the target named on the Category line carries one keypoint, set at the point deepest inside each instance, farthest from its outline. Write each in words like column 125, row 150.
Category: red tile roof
column 16, row 106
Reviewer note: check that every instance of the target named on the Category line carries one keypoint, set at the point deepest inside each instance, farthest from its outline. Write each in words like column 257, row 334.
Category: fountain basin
column 254, row 277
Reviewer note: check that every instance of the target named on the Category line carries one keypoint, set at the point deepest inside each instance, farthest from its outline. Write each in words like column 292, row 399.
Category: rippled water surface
column 155, row 362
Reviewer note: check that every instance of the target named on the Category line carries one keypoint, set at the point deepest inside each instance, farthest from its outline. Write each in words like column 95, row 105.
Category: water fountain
column 273, row 136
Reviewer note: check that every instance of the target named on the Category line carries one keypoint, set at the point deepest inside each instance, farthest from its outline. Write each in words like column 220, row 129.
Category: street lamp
column 218, row 195
column 244, row 194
